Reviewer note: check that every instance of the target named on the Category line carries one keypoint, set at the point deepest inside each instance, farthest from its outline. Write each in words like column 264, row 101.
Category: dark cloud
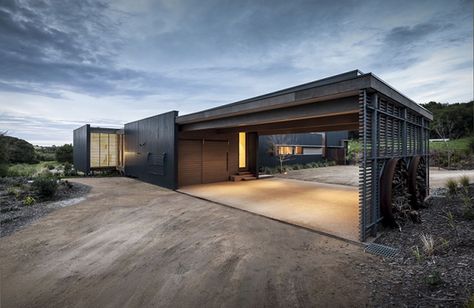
column 62, row 45
column 406, row 35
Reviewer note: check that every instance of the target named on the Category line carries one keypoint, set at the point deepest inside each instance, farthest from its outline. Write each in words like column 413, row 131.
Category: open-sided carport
column 222, row 143
column 390, row 125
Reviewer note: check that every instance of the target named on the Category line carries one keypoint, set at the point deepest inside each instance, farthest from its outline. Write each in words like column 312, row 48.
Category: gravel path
column 14, row 215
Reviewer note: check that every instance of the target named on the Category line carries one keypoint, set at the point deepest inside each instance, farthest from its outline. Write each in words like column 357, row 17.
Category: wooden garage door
column 215, row 161
column 189, row 162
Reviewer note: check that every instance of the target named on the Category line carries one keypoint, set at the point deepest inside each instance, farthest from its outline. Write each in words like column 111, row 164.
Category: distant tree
column 64, row 153
column 461, row 115
column 15, row 150
column 279, row 147
column 3, row 148
column 3, row 155
column 443, row 128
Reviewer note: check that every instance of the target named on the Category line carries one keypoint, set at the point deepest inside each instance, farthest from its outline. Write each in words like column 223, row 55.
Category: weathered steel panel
column 151, row 150
column 81, row 151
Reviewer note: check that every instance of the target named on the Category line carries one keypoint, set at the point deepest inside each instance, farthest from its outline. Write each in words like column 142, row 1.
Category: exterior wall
column 151, row 149
column 81, row 144
column 266, row 159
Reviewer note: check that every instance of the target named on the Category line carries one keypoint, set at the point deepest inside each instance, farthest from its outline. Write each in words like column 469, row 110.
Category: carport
column 219, row 144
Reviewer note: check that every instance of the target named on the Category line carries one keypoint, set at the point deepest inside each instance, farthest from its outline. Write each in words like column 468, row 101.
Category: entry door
column 189, row 162
column 215, row 161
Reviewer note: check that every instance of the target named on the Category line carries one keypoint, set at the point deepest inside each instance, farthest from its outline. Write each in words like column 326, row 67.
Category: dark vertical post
column 404, row 132
column 374, row 148
column 362, row 164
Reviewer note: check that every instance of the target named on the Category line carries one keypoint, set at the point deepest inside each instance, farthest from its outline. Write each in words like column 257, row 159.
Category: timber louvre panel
column 189, row 162
column 386, row 130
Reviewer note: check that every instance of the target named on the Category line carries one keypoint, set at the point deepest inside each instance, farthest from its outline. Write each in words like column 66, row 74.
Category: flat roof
column 337, row 86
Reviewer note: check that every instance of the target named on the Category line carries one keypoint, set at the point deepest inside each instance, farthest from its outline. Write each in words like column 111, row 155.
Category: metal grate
column 381, row 250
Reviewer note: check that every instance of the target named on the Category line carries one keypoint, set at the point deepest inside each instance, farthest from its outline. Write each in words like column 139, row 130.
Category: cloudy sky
column 66, row 63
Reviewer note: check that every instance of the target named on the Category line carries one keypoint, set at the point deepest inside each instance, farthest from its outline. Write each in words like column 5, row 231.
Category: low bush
column 452, row 186
column 45, row 186
column 433, row 279
column 29, row 200
column 3, row 170
column 464, row 181
column 428, row 244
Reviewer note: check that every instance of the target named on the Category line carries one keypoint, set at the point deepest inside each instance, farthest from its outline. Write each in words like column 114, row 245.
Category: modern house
column 173, row 151
column 302, row 148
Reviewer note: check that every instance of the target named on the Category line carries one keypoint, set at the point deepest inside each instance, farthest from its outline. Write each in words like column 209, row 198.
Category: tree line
column 18, row 151
column 451, row 121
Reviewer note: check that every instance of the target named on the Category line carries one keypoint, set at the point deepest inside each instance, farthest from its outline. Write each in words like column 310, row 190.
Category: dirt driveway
column 134, row 244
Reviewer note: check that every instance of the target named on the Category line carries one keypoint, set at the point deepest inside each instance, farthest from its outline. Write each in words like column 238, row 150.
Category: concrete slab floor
column 322, row 207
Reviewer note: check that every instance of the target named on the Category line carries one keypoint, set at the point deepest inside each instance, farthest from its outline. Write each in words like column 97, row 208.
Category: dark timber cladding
column 150, row 149
column 81, row 148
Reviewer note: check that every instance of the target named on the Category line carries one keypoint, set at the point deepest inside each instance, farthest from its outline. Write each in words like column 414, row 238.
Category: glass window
column 242, row 151
column 285, row 150
column 298, row 150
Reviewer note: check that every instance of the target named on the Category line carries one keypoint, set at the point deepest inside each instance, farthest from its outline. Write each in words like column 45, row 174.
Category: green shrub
column 297, row 167
column 49, row 166
column 417, row 254
column 464, row 181
column 67, row 168
column 307, row 166
column 64, row 153
column 45, row 186
column 470, row 144
column 3, row 170
column 452, row 186
column 29, row 200
column 433, row 279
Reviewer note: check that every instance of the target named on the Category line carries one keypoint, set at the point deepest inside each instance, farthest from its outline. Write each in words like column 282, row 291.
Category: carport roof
column 342, row 85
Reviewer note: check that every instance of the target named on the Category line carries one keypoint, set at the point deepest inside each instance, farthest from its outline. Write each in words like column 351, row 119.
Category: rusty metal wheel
column 394, row 196
column 417, row 181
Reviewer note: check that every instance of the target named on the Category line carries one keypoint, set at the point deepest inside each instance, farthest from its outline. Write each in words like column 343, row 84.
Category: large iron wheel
column 394, row 196
column 417, row 181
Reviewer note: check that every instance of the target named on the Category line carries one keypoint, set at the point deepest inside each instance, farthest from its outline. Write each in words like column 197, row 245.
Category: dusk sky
column 67, row 63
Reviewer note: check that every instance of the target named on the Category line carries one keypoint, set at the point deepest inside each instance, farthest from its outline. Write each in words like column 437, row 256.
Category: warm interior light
column 103, row 150
column 242, row 151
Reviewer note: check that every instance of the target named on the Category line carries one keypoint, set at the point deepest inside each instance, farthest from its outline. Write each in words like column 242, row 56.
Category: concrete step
column 244, row 177
column 243, row 172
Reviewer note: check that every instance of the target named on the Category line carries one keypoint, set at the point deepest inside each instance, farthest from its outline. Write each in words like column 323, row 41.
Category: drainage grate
column 381, row 250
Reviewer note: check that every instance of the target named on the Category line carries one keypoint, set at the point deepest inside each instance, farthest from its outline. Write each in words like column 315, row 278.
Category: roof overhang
column 331, row 88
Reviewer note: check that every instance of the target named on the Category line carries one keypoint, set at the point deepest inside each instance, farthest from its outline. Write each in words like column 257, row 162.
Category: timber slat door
column 215, row 161
column 189, row 162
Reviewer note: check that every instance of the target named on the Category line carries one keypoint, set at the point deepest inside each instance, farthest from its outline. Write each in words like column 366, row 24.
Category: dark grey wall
column 265, row 159
column 334, row 138
column 151, row 149
column 81, row 144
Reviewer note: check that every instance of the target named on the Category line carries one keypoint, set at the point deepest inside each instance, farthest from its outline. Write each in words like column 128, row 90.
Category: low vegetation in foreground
column 435, row 263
